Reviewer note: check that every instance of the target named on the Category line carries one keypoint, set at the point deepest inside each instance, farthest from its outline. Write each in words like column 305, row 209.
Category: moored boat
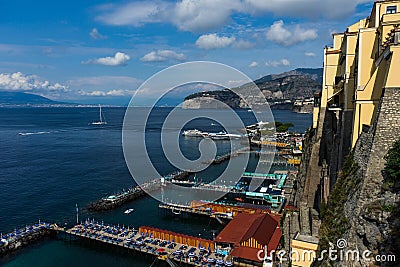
column 128, row 211
column 193, row 133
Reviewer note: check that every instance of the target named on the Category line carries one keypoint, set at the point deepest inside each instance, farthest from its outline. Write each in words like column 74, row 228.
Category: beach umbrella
column 191, row 254
column 219, row 261
column 210, row 260
column 228, row 263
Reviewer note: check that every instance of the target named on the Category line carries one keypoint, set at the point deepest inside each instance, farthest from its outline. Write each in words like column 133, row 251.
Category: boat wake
column 33, row 133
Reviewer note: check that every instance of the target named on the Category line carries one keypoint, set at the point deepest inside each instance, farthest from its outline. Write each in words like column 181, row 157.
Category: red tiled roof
column 240, row 228
column 261, row 227
column 275, row 239
column 265, row 230
column 253, row 253
column 247, row 253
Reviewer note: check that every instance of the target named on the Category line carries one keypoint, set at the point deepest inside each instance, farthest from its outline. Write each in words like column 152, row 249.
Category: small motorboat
column 128, row 211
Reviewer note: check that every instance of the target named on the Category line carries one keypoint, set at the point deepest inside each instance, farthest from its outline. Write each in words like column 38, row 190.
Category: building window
column 391, row 9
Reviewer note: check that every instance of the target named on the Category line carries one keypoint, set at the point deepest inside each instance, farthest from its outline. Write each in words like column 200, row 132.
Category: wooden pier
column 227, row 156
column 163, row 245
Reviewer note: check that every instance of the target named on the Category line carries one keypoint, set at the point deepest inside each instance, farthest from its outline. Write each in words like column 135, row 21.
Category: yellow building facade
column 303, row 250
column 362, row 62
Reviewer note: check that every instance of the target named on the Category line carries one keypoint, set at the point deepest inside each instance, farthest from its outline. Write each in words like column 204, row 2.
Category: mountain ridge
column 9, row 97
column 298, row 84
column 21, row 99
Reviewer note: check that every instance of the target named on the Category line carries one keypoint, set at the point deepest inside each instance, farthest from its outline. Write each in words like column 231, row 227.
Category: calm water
column 60, row 160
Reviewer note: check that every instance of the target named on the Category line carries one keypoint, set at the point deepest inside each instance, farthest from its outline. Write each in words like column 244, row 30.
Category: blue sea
column 52, row 159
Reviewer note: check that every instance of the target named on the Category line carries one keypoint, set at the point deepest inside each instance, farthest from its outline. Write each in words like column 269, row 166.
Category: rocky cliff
column 364, row 205
column 296, row 84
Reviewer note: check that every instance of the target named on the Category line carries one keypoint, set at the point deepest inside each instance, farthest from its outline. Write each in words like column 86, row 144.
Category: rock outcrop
column 278, row 90
column 368, row 214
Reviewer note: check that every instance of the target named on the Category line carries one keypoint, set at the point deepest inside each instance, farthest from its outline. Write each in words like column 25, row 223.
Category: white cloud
column 104, row 85
column 234, row 83
column 186, row 15
column 119, row 59
column 331, row 9
column 204, row 15
column 96, row 35
column 277, row 63
column 107, row 81
column 134, row 13
column 20, row 82
column 285, row 62
column 207, row 15
column 253, row 64
column 310, row 54
column 243, row 44
column 163, row 55
column 280, row 34
column 115, row 92
column 213, row 41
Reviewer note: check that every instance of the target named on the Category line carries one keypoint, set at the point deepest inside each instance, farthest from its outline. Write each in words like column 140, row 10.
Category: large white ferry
column 193, row 133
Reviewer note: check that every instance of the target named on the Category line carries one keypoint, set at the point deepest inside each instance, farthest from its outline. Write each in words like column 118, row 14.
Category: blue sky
column 101, row 51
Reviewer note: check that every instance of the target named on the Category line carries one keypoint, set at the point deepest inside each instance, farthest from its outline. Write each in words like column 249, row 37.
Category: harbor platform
column 219, row 211
column 164, row 245
column 24, row 236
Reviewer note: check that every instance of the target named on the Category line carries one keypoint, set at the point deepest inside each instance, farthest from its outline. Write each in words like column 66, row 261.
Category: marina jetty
column 115, row 200
column 271, row 194
column 227, row 156
column 22, row 237
column 162, row 244
column 175, row 249
column 219, row 211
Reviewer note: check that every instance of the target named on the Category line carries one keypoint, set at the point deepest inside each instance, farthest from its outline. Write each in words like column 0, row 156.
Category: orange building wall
column 177, row 238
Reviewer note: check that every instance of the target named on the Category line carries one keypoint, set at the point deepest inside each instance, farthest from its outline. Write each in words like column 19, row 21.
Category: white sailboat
column 101, row 121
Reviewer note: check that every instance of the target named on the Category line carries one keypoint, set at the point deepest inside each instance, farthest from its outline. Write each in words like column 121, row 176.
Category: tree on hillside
column 392, row 167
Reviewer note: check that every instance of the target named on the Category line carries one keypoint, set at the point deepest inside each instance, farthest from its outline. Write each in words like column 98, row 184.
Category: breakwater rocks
column 113, row 201
column 24, row 237
column 136, row 192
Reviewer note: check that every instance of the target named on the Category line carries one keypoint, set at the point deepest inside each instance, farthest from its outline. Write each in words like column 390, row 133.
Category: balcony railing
column 393, row 38
column 339, row 80
column 390, row 18
column 335, row 106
